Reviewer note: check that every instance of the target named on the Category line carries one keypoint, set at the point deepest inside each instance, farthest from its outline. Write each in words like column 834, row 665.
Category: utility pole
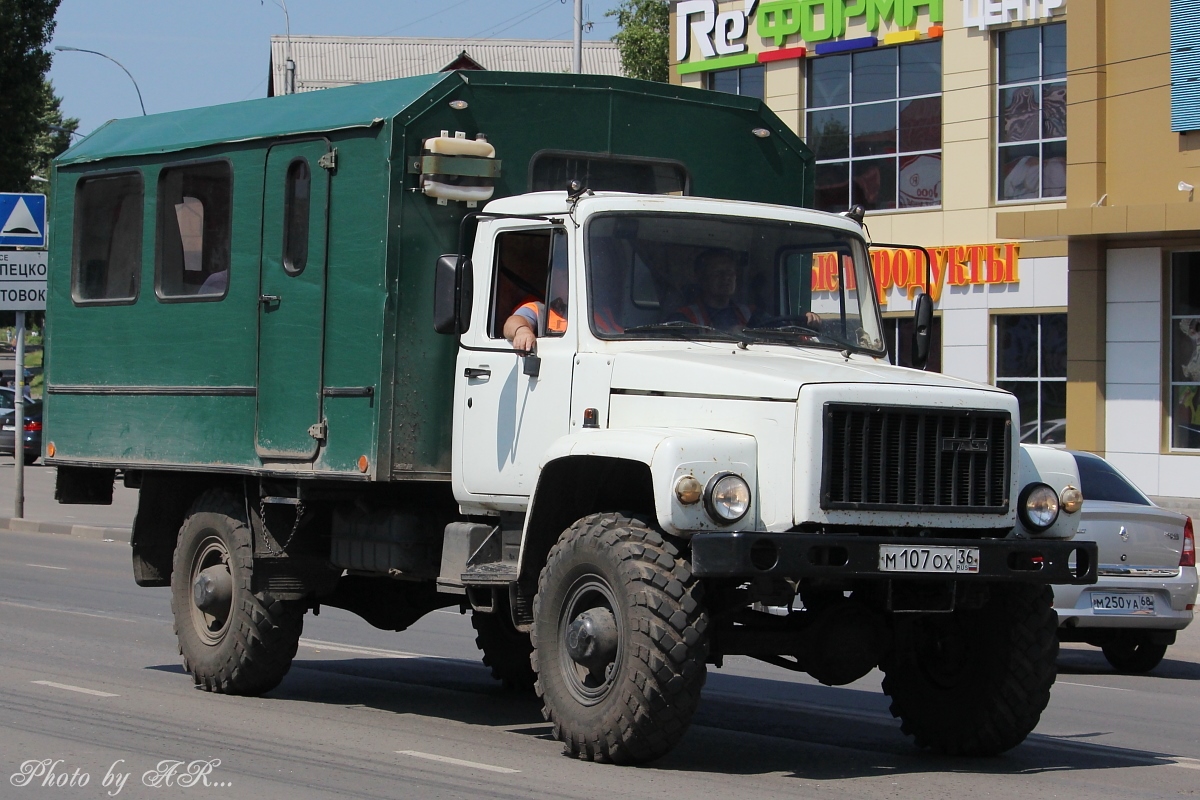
column 577, row 59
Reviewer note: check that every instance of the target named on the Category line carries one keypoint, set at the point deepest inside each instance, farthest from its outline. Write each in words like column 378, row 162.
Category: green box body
column 155, row 385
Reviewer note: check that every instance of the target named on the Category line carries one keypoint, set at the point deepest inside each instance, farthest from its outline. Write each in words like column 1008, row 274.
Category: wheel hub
column 212, row 591
column 592, row 640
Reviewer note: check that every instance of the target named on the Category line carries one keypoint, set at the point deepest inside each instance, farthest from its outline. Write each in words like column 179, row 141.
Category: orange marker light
column 363, row 464
column 50, row 450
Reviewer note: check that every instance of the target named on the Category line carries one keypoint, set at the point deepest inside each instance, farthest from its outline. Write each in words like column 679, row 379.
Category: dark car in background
column 1146, row 590
column 31, row 432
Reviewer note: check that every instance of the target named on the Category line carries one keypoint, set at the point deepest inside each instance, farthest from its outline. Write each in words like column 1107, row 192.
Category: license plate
column 951, row 560
column 1122, row 603
column 8, row 428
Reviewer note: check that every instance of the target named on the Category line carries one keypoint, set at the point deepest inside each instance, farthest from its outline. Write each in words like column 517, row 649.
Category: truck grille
column 902, row 458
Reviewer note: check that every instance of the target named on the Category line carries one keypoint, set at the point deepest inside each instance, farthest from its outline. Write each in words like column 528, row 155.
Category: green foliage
column 643, row 38
column 27, row 101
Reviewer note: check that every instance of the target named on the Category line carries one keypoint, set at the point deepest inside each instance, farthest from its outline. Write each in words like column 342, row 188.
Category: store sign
column 722, row 34
column 983, row 14
column 956, row 265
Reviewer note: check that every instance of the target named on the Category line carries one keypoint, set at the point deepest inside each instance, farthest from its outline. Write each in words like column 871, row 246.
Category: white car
column 1147, row 572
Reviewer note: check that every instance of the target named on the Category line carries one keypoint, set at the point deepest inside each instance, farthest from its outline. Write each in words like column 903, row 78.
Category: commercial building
column 1045, row 152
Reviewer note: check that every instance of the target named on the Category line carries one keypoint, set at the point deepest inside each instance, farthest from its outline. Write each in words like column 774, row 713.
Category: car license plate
column 1122, row 603
column 8, row 428
column 952, row 560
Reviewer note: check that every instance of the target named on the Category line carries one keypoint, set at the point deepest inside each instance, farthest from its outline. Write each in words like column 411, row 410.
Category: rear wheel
column 620, row 637
column 1133, row 654
column 232, row 640
column 975, row 682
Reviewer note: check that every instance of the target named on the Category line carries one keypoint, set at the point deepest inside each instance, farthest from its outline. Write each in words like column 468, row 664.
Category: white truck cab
column 710, row 398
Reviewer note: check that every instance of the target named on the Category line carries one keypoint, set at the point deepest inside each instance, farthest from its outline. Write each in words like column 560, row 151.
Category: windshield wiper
column 681, row 327
column 791, row 332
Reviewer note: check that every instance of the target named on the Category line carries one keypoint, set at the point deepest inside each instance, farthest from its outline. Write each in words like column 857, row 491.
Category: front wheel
column 1133, row 654
column 233, row 641
column 505, row 649
column 620, row 640
column 975, row 682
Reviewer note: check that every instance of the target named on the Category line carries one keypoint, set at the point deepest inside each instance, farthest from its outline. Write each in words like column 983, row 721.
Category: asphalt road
column 89, row 678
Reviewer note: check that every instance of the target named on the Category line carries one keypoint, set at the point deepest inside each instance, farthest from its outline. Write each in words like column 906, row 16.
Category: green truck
column 282, row 321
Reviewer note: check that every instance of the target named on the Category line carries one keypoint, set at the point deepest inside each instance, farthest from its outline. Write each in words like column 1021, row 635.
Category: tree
column 643, row 38
column 27, row 101
column 52, row 137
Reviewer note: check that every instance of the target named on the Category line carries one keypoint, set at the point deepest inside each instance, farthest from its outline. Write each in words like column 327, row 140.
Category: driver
column 717, row 274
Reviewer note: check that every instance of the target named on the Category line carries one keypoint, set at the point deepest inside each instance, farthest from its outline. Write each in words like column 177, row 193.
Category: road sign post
column 22, row 288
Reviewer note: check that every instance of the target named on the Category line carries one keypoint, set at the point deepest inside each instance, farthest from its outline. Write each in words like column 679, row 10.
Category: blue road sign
column 22, row 219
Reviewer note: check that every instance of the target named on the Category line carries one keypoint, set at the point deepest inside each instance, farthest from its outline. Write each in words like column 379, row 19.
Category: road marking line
column 44, row 566
column 64, row 611
column 334, row 647
column 1095, row 686
column 457, row 761
column 1186, row 763
column 71, row 688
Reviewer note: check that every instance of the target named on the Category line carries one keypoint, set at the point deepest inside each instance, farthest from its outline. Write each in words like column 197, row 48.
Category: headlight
column 727, row 498
column 1071, row 499
column 1038, row 506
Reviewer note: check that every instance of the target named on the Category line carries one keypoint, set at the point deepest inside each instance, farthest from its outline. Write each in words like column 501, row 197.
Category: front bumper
column 813, row 555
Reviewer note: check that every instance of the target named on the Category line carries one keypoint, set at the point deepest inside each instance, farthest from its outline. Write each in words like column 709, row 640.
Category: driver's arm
column 521, row 331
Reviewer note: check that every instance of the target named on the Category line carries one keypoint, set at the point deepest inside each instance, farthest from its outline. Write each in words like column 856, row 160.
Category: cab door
column 509, row 417
column 291, row 309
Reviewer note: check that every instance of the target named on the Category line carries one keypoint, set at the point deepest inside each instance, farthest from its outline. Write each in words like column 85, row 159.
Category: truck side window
column 557, row 289
column 522, row 263
column 194, row 227
column 297, row 193
column 107, row 264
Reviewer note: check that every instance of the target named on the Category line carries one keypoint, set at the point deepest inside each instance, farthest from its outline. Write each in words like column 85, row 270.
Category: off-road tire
column 254, row 649
column 505, row 649
column 975, row 682
column 659, row 669
column 1133, row 654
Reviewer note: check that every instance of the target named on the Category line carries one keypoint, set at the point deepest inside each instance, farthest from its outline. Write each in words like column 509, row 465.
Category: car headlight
column 1071, row 499
column 1038, row 506
column 727, row 498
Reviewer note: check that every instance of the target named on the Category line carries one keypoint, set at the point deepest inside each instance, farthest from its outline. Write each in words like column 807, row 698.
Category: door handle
column 268, row 299
column 476, row 372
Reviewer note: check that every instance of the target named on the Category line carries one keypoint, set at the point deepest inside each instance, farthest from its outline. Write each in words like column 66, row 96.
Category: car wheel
column 975, row 682
column 1133, row 654
column 620, row 638
column 505, row 649
column 233, row 640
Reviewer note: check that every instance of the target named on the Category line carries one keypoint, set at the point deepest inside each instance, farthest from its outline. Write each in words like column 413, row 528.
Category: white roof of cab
column 553, row 203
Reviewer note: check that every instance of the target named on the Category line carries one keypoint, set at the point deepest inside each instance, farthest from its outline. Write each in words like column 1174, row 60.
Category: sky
column 189, row 53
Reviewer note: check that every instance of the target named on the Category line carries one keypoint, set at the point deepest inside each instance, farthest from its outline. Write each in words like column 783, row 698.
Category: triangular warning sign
column 20, row 221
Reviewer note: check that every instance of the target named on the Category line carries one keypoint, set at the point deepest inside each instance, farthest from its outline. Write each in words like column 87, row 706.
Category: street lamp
column 62, row 48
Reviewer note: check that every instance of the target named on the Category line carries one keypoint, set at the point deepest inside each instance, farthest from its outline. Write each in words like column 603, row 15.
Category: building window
column 1185, row 351
column 195, row 205
column 1031, row 362
column 107, row 264
column 1032, row 115
column 747, row 81
column 875, row 125
column 898, row 331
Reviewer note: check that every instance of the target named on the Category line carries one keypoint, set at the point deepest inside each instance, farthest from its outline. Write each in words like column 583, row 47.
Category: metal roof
column 326, row 61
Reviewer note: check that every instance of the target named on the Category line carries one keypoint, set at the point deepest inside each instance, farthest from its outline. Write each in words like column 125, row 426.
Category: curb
column 92, row 532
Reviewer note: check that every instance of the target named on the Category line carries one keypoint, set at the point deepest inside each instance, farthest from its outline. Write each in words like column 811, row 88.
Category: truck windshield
column 722, row 278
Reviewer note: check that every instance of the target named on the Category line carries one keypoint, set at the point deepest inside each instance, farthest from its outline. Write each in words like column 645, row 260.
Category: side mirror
column 922, row 326
column 453, row 288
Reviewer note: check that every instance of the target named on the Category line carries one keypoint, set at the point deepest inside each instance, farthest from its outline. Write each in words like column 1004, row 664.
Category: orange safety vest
column 696, row 313
column 604, row 322
column 555, row 322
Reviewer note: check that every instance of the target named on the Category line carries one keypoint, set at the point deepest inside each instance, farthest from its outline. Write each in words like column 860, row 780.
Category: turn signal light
column 1188, row 557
